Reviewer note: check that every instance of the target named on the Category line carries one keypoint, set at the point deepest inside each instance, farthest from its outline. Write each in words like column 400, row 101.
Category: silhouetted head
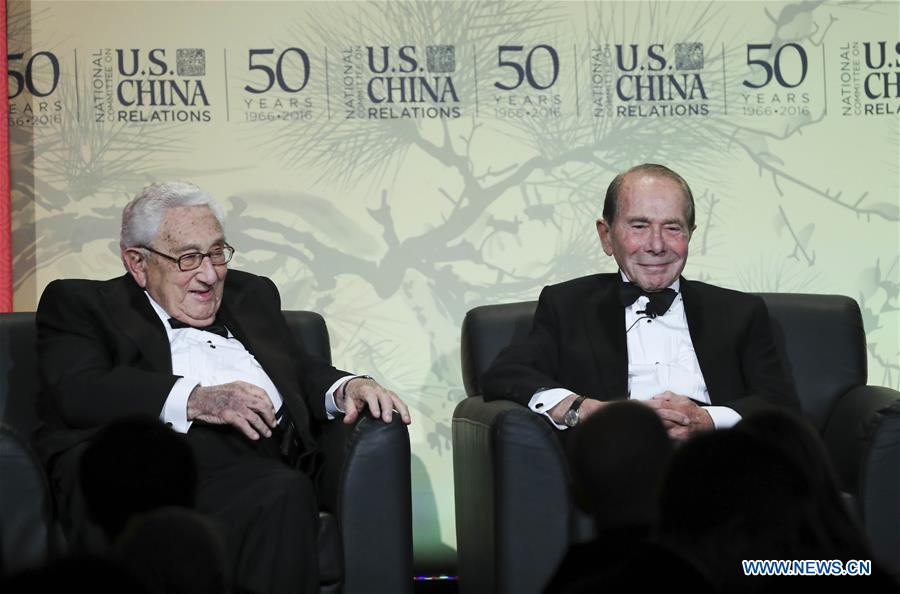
column 836, row 526
column 133, row 466
column 730, row 495
column 176, row 551
column 617, row 457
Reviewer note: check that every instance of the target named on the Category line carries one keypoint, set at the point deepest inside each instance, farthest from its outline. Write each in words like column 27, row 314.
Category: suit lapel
column 254, row 330
column 131, row 311
column 702, row 338
column 604, row 319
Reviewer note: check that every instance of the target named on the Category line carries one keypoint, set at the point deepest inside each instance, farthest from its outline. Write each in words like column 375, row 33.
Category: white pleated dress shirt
column 661, row 357
column 204, row 358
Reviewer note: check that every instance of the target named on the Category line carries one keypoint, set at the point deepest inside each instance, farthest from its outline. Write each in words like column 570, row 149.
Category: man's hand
column 361, row 392
column 240, row 404
column 681, row 416
column 587, row 408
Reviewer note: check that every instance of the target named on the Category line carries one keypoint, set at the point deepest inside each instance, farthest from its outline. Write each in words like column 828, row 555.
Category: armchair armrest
column 366, row 481
column 863, row 438
column 856, row 419
column 510, row 477
column 26, row 514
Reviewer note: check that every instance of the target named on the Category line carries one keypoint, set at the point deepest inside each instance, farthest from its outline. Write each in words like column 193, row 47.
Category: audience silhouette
column 764, row 490
column 133, row 466
column 175, row 551
column 137, row 484
column 617, row 458
column 834, row 520
column 90, row 573
column 761, row 491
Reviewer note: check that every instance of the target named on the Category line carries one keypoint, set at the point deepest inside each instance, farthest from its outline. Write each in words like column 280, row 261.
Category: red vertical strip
column 6, row 291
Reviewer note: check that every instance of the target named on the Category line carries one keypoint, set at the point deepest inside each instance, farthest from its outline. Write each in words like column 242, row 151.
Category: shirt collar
column 158, row 308
column 163, row 316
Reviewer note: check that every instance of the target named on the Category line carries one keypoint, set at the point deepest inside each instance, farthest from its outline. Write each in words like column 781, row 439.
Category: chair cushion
column 25, row 515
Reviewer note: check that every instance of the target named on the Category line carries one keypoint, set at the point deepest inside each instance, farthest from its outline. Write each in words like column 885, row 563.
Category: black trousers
column 267, row 510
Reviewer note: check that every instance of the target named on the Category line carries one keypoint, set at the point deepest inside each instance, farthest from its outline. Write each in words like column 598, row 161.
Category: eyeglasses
column 192, row 261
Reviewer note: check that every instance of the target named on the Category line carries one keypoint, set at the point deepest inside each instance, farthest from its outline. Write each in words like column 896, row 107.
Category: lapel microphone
column 658, row 302
column 649, row 311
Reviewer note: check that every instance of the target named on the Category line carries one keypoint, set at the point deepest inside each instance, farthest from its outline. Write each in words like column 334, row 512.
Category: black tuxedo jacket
column 578, row 342
column 104, row 354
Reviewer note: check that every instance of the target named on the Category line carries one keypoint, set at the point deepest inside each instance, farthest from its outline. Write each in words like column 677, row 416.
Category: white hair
column 143, row 216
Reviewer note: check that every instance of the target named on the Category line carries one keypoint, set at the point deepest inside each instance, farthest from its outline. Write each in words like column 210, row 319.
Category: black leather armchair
column 514, row 512
column 362, row 548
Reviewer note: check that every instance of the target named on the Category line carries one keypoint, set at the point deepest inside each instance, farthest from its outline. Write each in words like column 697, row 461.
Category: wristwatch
column 368, row 377
column 572, row 416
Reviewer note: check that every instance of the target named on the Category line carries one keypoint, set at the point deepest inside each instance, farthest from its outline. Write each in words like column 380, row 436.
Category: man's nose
column 207, row 271
column 656, row 243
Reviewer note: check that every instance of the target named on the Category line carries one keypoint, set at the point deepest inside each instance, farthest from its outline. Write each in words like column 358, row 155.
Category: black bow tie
column 660, row 301
column 216, row 327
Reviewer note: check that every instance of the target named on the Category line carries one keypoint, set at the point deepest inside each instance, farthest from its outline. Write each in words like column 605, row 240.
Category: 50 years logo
column 38, row 76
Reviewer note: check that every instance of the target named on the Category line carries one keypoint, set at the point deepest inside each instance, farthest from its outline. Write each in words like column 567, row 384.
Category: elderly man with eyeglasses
column 207, row 351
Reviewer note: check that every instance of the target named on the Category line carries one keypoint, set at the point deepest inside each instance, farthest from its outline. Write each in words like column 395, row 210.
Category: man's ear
column 136, row 264
column 603, row 231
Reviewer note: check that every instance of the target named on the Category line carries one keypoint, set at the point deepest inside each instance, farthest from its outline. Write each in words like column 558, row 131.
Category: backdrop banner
column 393, row 164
